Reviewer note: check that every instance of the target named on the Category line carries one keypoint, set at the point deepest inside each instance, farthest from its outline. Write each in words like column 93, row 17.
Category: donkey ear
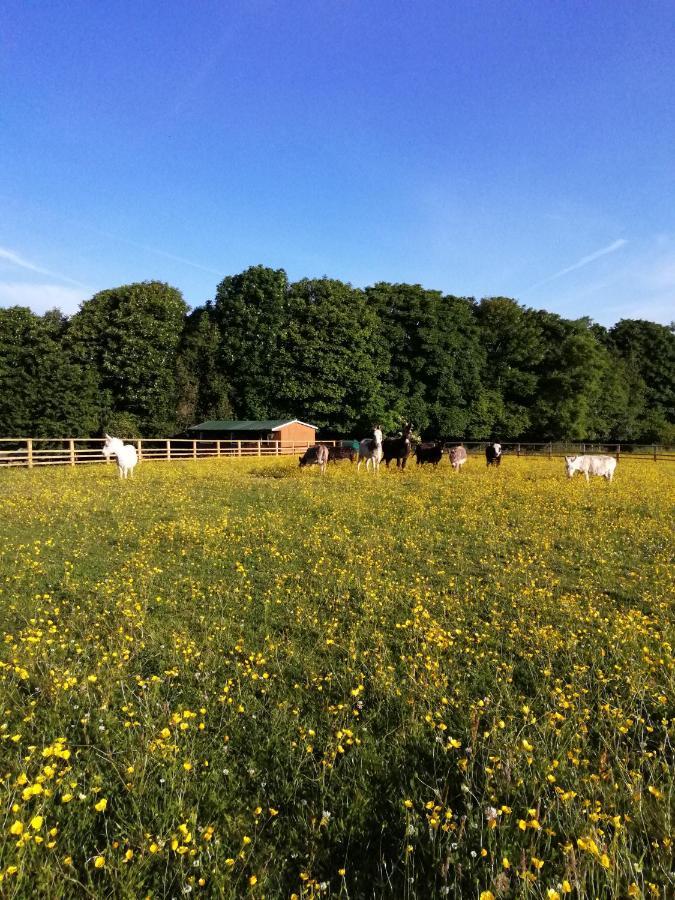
column 108, row 438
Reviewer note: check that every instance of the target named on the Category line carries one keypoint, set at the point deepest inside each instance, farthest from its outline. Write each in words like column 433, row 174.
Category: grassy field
column 236, row 679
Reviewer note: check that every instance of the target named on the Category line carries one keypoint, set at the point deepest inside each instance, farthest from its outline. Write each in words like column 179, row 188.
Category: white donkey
column 370, row 449
column 126, row 454
column 591, row 465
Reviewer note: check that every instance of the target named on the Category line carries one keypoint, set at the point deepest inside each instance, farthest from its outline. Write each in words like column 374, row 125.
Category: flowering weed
column 244, row 679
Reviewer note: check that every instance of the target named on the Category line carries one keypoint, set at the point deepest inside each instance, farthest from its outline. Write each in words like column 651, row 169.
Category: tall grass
column 235, row 678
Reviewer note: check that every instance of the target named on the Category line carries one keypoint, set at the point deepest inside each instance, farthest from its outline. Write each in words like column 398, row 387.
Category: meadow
column 236, row 678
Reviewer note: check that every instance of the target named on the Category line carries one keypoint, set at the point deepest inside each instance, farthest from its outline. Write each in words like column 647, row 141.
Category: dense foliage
column 242, row 679
column 133, row 360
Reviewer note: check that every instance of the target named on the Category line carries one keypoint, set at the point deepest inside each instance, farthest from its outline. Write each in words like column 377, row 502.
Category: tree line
column 134, row 360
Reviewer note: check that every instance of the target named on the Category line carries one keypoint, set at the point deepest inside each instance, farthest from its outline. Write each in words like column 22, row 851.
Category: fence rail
column 33, row 452
column 558, row 449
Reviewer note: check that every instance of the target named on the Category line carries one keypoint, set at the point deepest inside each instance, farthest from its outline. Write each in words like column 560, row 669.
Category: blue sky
column 518, row 148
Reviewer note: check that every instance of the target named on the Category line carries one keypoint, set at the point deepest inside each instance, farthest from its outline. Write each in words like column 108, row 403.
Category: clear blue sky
column 480, row 148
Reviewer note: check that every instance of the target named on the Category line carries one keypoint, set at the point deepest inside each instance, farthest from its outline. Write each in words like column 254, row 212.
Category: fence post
column 71, row 448
column 29, row 447
column 238, row 448
column 518, row 450
column 139, row 447
column 618, row 451
column 276, row 448
column 168, row 449
column 218, row 449
column 259, row 448
column 654, row 452
column 194, row 449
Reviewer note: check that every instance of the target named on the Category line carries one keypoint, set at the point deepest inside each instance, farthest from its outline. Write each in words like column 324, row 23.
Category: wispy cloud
column 40, row 297
column 16, row 259
column 640, row 286
column 139, row 246
column 584, row 261
column 164, row 253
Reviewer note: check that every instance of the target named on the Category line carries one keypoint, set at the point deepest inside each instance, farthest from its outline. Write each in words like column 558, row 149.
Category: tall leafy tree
column 19, row 382
column 44, row 392
column 514, row 347
column 402, row 312
column 453, row 374
column 131, row 334
column 132, row 359
column 330, row 345
column 251, row 312
column 648, row 352
column 68, row 400
column 203, row 389
column 571, row 379
column 431, row 356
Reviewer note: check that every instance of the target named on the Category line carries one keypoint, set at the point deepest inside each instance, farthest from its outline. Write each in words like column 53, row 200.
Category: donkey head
column 112, row 446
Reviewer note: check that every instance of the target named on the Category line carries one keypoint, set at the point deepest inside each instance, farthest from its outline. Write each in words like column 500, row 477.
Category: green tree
column 251, row 312
column 571, row 378
column 430, row 357
column 203, row 390
column 44, row 392
column 68, row 401
column 130, row 335
column 514, row 347
column 20, row 341
column 329, row 343
column 648, row 352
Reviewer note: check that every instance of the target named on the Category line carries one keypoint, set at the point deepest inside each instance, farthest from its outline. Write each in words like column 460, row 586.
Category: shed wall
column 295, row 433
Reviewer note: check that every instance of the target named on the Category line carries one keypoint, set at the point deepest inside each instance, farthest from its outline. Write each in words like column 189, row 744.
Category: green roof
column 244, row 425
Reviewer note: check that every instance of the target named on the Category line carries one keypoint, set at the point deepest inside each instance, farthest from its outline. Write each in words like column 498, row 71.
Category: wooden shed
column 285, row 432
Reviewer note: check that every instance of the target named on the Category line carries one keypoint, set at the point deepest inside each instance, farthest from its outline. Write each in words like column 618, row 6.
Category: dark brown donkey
column 397, row 448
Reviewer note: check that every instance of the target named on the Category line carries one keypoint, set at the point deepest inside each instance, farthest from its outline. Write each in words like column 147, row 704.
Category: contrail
column 584, row 261
column 18, row 260
column 148, row 249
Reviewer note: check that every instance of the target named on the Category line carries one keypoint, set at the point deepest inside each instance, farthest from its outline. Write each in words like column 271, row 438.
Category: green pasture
column 237, row 678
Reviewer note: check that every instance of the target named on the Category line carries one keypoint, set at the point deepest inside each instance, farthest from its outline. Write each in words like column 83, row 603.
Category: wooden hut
column 285, row 432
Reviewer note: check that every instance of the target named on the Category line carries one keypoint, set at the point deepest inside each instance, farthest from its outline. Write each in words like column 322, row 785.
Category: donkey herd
column 377, row 449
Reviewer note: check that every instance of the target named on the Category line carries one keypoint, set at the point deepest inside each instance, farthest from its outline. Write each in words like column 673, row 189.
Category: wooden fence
column 558, row 449
column 30, row 452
